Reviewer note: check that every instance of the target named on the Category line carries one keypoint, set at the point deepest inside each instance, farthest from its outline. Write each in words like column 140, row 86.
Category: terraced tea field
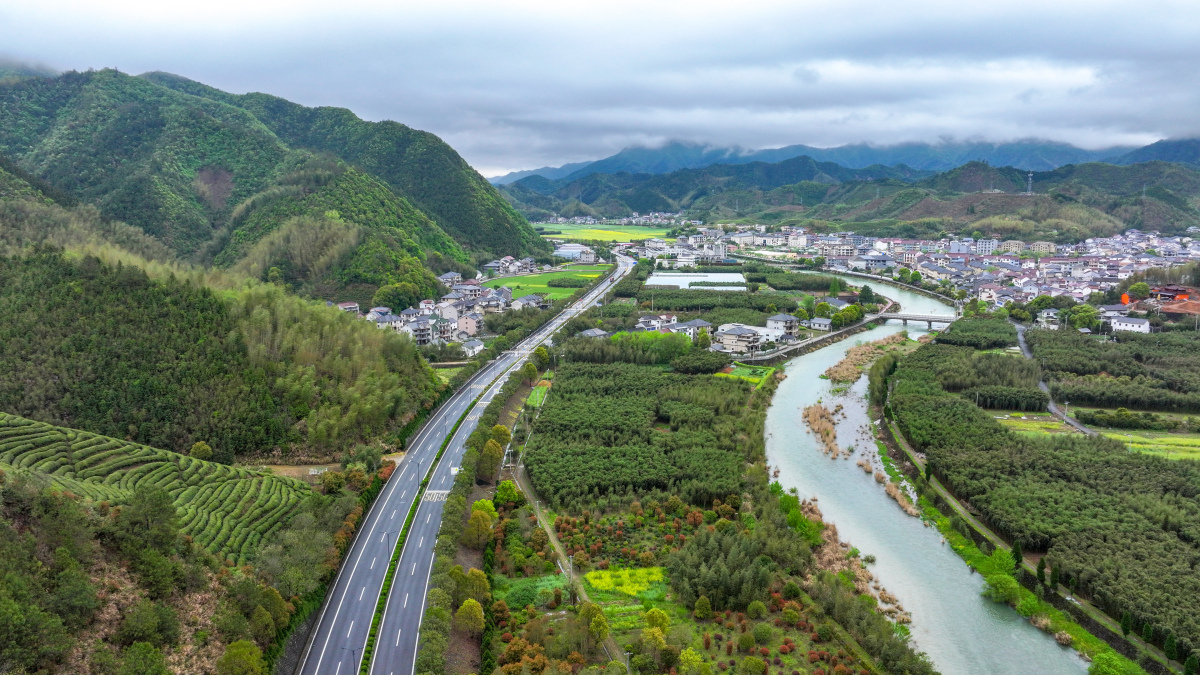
column 225, row 509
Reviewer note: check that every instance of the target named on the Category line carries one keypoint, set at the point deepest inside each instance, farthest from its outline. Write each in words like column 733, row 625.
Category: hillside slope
column 417, row 164
column 110, row 350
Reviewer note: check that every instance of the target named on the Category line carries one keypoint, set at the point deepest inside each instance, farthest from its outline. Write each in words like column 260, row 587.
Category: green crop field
column 603, row 232
column 538, row 395
column 1161, row 443
column 1033, row 423
column 753, row 374
column 225, row 509
column 536, row 283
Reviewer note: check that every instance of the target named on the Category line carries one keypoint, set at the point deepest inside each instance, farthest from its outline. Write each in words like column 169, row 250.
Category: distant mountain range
column 1029, row 155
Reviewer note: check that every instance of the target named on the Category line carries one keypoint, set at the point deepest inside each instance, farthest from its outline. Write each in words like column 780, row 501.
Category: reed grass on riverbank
column 850, row 367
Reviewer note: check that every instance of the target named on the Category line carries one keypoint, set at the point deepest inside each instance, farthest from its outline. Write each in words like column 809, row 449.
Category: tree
column 501, row 435
column 469, row 616
column 1192, row 665
column 866, row 295
column 397, row 296
column 1017, row 556
column 752, row 665
column 241, row 658
column 835, row 287
column 1002, row 588
column 703, row 608
column 1140, row 290
column 1106, row 663
column 598, row 628
column 201, row 450
column 332, row 481
column 756, row 610
column 507, row 493
column 690, row 662
column 656, row 618
column 703, row 341
column 489, row 461
column 653, row 639
column 823, row 310
column 479, row 528
column 143, row 658
column 149, row 622
column 486, row 506
column 150, row 519
column 541, row 357
column 477, row 586
column 262, row 626
column 1041, row 571
column 1126, row 623
column 762, row 633
column 530, row 373
column 1171, row 648
column 1085, row 316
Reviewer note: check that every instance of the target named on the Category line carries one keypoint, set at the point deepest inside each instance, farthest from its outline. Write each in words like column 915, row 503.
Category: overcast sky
column 518, row 85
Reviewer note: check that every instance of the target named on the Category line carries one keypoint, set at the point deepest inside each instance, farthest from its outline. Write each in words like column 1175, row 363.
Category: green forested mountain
column 1070, row 203
column 417, row 164
column 616, row 195
column 201, row 170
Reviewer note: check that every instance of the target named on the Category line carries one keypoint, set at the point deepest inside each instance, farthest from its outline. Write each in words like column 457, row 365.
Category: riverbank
column 962, row 631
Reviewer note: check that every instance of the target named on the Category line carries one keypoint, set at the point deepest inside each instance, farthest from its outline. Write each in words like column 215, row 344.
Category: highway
column 337, row 643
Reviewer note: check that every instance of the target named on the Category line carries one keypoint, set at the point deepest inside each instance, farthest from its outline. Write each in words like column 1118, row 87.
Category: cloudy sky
column 518, row 85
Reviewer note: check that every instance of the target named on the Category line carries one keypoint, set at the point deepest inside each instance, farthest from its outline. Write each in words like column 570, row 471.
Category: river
column 961, row 631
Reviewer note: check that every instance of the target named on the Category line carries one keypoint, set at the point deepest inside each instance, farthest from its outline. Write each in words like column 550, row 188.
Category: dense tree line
column 980, row 333
column 1122, row 528
column 168, row 363
column 794, row 281
column 598, row 434
column 1159, row 371
column 645, row 348
column 1122, row 418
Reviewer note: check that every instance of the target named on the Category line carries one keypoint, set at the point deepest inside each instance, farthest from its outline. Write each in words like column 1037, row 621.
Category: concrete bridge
column 929, row 319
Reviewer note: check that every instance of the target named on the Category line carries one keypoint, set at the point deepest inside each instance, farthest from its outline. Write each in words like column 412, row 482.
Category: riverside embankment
column 962, row 631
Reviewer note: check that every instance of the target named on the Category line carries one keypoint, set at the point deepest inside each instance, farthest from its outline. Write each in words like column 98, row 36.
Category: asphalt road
column 345, row 620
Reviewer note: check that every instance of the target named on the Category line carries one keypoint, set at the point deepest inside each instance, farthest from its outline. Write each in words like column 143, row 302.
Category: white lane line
column 339, row 668
column 403, row 493
column 393, row 514
column 406, row 599
column 372, row 564
column 397, row 640
column 351, row 624
column 422, row 542
column 427, row 517
column 381, row 536
column 414, row 570
column 360, row 594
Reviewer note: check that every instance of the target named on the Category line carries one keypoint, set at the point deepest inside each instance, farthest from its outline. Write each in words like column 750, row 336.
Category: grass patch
column 538, row 395
column 446, row 374
column 538, row 283
column 604, row 232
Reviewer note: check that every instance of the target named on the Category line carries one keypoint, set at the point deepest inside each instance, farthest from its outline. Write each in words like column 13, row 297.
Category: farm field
column 1161, row 443
column 1033, row 422
column 227, row 510
column 604, row 232
column 752, row 374
column 537, row 283
column 538, row 395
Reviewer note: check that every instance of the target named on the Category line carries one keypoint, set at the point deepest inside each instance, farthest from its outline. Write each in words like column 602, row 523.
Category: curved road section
column 336, row 644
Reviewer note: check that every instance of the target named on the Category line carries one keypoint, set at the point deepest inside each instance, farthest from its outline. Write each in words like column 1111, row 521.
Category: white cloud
column 523, row 84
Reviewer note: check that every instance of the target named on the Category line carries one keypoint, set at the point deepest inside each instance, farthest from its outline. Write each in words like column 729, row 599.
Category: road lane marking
column 397, row 640
column 414, row 570
column 422, row 544
column 352, row 623
column 360, row 594
column 403, row 493
column 406, row 599
column 427, row 517
column 393, row 514
column 372, row 563
column 339, row 668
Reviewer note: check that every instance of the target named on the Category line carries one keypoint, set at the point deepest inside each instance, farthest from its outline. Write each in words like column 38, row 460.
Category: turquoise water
column 959, row 629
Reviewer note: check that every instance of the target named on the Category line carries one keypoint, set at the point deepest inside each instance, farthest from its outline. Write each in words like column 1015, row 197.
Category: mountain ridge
column 1029, row 154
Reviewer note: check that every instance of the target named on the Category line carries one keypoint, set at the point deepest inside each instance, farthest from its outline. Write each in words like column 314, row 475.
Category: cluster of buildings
column 509, row 266
column 732, row 338
column 457, row 316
